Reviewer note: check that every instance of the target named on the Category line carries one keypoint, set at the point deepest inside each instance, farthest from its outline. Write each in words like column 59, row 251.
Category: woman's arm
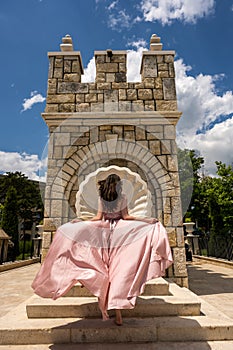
column 126, row 216
column 98, row 216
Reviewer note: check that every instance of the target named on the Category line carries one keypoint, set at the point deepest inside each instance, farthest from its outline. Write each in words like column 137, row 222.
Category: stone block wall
column 112, row 121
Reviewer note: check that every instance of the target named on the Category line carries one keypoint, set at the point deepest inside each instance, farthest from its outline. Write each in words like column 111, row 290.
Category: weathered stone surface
column 171, row 235
column 125, row 106
column 163, row 74
column 82, row 107
column 139, row 85
column 67, row 107
column 80, row 98
column 160, row 58
column 52, row 86
column 180, row 236
column 58, row 62
column 111, row 96
column 67, row 66
column 51, row 67
column 169, row 132
column 171, row 70
column 120, row 77
column 90, row 97
column 75, row 87
column 131, row 94
column 58, row 73
column 63, row 98
column 100, row 77
column 169, row 89
column 162, row 105
column 107, row 67
column 149, row 105
column 166, row 147
column 122, row 67
column 118, row 58
column 110, row 77
column 168, row 58
column 119, row 86
column 104, row 86
column 97, row 107
column 100, row 98
column 72, row 77
column 122, row 94
column 158, row 83
column 137, row 106
column 179, row 262
column 155, row 147
column 162, row 66
column 76, row 66
column 145, row 94
column 51, row 108
column 118, row 129
column 158, row 94
column 149, row 83
column 149, row 67
column 48, row 225
column 100, row 59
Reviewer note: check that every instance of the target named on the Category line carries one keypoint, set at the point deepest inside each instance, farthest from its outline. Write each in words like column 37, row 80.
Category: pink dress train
column 113, row 259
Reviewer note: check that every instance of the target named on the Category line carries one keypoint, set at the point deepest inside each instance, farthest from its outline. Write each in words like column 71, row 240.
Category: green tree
column 193, row 193
column 28, row 194
column 220, row 195
column 9, row 221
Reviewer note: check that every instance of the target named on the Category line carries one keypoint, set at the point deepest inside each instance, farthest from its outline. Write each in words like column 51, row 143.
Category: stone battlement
column 111, row 91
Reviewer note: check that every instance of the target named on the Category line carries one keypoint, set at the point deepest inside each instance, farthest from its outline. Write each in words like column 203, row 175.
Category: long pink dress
column 113, row 258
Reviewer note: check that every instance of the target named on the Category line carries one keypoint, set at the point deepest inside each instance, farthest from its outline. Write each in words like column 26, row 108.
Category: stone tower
column 113, row 122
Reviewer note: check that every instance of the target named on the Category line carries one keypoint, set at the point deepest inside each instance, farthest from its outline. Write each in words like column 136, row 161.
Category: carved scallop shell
column 135, row 189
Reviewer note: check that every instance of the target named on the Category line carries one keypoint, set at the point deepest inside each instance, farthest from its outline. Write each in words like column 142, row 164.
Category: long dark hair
column 110, row 191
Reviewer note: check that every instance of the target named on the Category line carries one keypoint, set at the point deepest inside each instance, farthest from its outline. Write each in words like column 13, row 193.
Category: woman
column 113, row 255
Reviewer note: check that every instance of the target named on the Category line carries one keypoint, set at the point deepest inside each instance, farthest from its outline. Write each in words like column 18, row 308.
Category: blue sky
column 200, row 31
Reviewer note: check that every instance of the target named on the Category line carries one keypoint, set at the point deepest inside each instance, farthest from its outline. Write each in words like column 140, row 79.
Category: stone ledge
column 214, row 261
column 16, row 264
column 197, row 345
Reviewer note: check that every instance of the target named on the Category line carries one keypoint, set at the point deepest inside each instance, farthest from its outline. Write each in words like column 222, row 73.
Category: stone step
column 158, row 329
column 181, row 301
column 157, row 286
column 198, row 345
column 87, row 307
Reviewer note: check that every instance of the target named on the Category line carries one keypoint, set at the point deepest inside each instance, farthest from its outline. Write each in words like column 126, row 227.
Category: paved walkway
column 212, row 283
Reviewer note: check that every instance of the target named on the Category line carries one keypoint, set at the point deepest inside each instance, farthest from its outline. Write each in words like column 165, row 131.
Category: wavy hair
column 110, row 191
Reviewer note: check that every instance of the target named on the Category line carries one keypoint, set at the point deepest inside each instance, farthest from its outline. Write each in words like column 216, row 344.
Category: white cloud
column 30, row 165
column 119, row 20
column 138, row 43
column 166, row 11
column 89, row 72
column 134, row 59
column 29, row 102
column 112, row 5
column 203, row 109
column 215, row 145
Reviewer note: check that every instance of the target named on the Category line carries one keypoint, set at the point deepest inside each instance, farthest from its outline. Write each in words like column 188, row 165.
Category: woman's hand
column 74, row 221
column 151, row 220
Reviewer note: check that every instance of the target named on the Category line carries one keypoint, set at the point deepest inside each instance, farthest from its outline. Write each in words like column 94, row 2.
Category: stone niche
column 113, row 122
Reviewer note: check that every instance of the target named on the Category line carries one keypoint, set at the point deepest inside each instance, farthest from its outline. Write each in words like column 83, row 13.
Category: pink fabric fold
column 112, row 261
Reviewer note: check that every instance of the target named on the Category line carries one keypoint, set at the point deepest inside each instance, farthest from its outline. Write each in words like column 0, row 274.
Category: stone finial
column 67, row 43
column 155, row 44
